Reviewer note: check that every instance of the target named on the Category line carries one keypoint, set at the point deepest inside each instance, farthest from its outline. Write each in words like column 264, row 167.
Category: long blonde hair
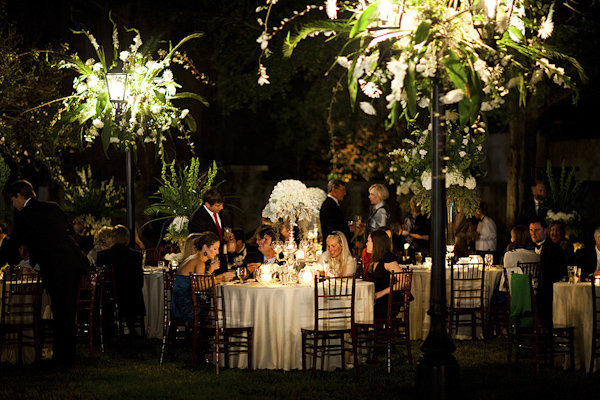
column 345, row 256
column 189, row 248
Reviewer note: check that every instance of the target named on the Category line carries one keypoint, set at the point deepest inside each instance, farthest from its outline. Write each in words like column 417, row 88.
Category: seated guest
column 266, row 255
column 520, row 249
column 338, row 255
column 129, row 276
column 236, row 248
column 102, row 241
column 85, row 242
column 557, row 235
column 588, row 258
column 3, row 232
column 383, row 262
column 206, row 248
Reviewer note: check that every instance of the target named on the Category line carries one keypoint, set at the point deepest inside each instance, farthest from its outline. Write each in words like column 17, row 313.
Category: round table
column 277, row 313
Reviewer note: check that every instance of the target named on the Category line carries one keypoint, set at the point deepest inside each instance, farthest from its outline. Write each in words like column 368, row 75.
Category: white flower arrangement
column 147, row 112
column 317, row 196
column 292, row 201
column 567, row 218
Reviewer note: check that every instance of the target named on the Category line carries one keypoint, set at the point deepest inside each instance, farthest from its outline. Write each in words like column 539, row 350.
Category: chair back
column 86, row 295
column 595, row 326
column 21, row 300
column 467, row 286
column 334, row 303
column 152, row 256
column 168, row 283
column 399, row 297
column 533, row 269
column 204, row 298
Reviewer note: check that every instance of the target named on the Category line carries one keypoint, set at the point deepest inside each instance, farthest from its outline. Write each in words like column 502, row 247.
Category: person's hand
column 252, row 267
column 214, row 266
column 227, row 276
column 405, row 233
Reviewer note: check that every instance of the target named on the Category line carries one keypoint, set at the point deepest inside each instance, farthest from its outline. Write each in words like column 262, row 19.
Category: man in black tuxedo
column 208, row 218
column 331, row 215
column 553, row 264
column 535, row 207
column 49, row 235
column 588, row 258
column 129, row 277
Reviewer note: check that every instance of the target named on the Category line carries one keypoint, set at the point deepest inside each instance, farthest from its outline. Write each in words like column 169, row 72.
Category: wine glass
column 242, row 273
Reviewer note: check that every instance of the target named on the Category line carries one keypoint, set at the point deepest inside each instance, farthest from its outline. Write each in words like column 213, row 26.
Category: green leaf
column 190, row 122
column 160, row 96
column 366, row 18
column 455, row 69
column 101, row 103
column 190, row 95
column 464, row 109
column 352, row 89
column 422, row 31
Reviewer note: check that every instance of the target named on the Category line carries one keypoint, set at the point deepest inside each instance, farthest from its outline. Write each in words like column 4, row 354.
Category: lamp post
column 116, row 84
column 437, row 370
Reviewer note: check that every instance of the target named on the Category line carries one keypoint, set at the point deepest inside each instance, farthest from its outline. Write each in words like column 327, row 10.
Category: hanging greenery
column 148, row 111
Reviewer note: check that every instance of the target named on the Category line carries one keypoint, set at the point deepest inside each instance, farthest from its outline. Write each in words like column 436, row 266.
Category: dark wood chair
column 21, row 313
column 152, row 256
column 467, row 284
column 394, row 329
column 210, row 328
column 174, row 331
column 529, row 332
column 334, row 300
column 497, row 315
column 534, row 270
column 595, row 353
column 86, row 309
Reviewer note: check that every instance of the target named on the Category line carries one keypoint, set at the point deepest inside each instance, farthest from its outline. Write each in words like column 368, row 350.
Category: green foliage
column 99, row 199
column 28, row 135
column 4, row 174
column 565, row 192
column 181, row 189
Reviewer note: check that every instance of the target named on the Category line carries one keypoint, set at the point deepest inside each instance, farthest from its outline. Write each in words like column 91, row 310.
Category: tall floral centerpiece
column 93, row 202
column 291, row 201
column 562, row 201
column 179, row 195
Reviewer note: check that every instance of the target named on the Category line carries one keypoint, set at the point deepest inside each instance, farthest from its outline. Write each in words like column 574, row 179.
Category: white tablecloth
column 419, row 320
column 155, row 303
column 277, row 314
column 572, row 306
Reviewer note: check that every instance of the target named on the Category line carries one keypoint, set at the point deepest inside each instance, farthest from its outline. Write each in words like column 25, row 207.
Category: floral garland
column 397, row 50
column 147, row 113
column 291, row 201
column 410, row 166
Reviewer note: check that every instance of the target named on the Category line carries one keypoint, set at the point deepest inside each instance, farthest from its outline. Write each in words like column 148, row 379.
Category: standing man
column 535, row 207
column 207, row 218
column 553, row 265
column 331, row 215
column 49, row 235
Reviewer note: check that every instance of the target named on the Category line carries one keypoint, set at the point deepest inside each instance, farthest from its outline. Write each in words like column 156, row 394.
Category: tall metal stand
column 437, row 371
column 130, row 197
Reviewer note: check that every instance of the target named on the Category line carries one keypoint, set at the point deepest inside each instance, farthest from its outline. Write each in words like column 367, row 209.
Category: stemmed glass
column 242, row 273
column 277, row 246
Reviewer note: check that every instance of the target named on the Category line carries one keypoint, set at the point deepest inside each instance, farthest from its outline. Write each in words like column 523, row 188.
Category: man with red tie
column 208, row 218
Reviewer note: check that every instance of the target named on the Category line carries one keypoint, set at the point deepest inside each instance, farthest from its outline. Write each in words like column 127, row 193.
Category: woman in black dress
column 383, row 261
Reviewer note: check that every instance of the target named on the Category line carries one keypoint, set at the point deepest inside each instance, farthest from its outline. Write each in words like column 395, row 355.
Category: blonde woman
column 380, row 215
column 102, row 241
column 338, row 255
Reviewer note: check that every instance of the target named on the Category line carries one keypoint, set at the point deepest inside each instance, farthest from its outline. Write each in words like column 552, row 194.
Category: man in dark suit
column 331, row 215
column 588, row 258
column 129, row 277
column 535, row 207
column 49, row 235
column 553, row 264
column 208, row 218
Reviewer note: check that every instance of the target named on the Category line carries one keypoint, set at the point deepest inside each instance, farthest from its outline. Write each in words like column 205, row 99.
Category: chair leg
column 250, row 351
column 303, row 351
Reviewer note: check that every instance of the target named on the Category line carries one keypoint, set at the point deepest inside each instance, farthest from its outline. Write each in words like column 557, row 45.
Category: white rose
column 98, row 124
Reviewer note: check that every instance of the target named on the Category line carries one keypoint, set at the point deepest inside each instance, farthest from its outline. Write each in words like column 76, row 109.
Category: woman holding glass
column 383, row 261
column 380, row 215
column 338, row 257
column 206, row 246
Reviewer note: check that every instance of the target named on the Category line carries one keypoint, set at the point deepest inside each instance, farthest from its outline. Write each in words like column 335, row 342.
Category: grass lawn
column 129, row 370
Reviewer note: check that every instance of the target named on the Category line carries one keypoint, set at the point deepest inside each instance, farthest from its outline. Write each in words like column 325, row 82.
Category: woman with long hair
column 338, row 255
column 383, row 261
column 206, row 246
